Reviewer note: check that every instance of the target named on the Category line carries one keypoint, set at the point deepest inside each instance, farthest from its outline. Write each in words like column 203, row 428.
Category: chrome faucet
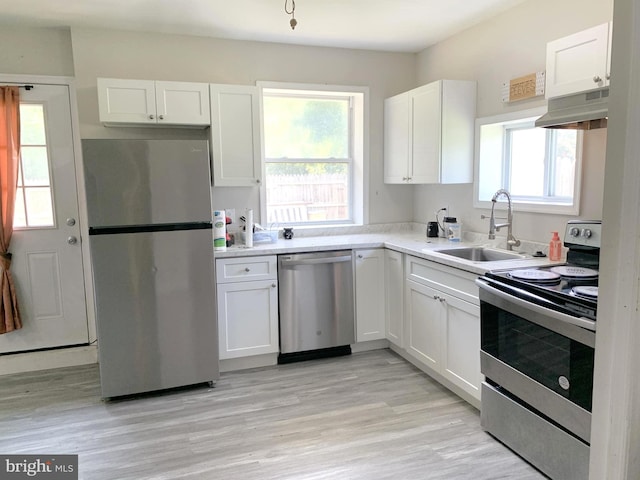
column 493, row 226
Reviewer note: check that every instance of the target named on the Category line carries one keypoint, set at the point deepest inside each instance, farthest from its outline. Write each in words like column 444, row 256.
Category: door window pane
column 38, row 202
column 32, row 124
column 34, row 202
column 36, row 166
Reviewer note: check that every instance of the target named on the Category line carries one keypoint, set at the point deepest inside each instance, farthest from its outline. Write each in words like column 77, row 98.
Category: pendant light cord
column 293, row 22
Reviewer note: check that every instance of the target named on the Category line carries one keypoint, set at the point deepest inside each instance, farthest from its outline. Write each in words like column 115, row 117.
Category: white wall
column 505, row 47
column 36, row 51
column 107, row 53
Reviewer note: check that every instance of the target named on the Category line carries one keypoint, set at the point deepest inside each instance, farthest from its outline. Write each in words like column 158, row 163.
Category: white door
column 47, row 259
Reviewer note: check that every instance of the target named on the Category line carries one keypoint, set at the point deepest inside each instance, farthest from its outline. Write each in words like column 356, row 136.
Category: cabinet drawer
column 450, row 280
column 246, row 269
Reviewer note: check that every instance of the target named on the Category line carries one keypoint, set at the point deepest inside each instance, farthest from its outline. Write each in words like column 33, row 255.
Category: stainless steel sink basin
column 481, row 254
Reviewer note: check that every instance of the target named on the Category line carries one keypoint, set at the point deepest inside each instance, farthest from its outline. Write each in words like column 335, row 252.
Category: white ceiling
column 388, row 25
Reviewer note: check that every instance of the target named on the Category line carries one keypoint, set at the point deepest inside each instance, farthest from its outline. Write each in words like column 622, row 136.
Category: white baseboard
column 243, row 363
column 370, row 345
column 48, row 359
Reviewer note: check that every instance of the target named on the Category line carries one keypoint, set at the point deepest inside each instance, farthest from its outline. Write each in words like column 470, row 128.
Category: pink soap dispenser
column 555, row 247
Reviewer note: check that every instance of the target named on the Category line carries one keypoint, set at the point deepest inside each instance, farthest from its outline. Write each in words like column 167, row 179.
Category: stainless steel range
column 537, row 354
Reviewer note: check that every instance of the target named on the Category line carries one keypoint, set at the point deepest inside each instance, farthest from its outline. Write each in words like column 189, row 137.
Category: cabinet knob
column 436, row 297
column 273, row 285
column 359, row 255
column 247, row 269
column 161, row 117
column 151, row 117
column 597, row 79
column 608, row 76
column 257, row 180
column 442, row 300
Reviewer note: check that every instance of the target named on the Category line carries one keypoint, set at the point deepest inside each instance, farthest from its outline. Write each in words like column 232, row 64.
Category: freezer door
column 144, row 182
column 155, row 310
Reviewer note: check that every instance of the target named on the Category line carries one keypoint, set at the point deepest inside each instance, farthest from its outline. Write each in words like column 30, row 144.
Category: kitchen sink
column 481, row 254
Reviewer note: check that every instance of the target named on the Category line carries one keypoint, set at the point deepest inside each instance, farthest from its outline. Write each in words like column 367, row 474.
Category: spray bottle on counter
column 555, row 247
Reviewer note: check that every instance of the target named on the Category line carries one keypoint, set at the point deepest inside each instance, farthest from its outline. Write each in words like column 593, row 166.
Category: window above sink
column 540, row 167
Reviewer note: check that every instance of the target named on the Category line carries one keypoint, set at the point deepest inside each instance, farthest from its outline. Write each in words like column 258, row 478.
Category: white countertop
column 412, row 243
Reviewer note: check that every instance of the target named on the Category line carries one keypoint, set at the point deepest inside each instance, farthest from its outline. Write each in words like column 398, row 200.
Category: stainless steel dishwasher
column 317, row 317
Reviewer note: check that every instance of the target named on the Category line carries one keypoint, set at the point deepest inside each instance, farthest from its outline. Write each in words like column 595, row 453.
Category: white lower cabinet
column 442, row 323
column 424, row 325
column 247, row 298
column 370, row 294
column 394, row 297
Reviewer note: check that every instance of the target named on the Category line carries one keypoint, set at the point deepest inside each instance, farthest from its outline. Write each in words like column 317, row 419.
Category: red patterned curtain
column 9, row 158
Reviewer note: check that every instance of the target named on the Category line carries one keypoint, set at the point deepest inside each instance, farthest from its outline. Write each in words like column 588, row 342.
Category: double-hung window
column 313, row 156
column 540, row 167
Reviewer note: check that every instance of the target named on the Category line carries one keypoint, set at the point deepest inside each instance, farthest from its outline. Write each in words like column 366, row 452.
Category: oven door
column 538, row 355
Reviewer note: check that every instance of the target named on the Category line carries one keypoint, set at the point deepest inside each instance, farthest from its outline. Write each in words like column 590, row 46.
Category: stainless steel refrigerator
column 151, row 243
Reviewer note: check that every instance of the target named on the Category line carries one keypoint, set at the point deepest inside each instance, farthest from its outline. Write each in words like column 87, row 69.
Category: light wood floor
column 367, row 416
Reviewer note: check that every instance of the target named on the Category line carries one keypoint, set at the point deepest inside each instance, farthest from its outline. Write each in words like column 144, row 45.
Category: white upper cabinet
column 428, row 134
column 579, row 62
column 183, row 103
column 235, row 136
column 135, row 102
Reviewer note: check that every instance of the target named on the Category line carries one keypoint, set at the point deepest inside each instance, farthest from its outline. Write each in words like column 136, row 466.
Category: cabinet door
column 126, row 101
column 235, row 136
column 423, row 336
column 457, row 131
column 394, row 297
column 370, row 311
column 461, row 360
column 426, row 115
column 396, row 139
column 578, row 62
column 183, row 103
column 247, row 318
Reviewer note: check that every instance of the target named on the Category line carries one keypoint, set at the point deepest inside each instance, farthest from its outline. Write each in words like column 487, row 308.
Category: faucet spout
column 493, row 226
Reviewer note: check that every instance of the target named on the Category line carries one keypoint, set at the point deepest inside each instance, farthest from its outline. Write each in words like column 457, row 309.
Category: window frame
column 508, row 123
column 22, row 188
column 358, row 98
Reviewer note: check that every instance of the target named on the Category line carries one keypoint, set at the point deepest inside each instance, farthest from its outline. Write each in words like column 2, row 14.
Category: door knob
column 71, row 222
column 72, row 240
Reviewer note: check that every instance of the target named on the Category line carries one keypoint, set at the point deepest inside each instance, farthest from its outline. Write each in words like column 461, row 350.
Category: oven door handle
column 563, row 317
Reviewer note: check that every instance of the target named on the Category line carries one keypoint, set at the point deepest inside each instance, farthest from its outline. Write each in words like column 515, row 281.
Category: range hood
column 581, row 111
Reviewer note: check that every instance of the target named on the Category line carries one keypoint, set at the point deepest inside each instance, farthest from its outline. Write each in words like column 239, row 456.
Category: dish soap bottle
column 555, row 247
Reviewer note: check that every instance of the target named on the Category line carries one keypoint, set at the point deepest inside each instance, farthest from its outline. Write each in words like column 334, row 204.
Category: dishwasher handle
column 287, row 262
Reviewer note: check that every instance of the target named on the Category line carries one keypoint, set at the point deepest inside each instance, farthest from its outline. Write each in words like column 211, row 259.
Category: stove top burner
column 533, row 275
column 586, row 292
column 571, row 271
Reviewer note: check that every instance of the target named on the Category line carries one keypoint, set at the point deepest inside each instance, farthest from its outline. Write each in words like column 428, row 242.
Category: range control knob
column 586, row 233
column 574, row 232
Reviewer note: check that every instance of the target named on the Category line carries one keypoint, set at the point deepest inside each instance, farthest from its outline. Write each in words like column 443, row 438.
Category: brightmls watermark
column 50, row 467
